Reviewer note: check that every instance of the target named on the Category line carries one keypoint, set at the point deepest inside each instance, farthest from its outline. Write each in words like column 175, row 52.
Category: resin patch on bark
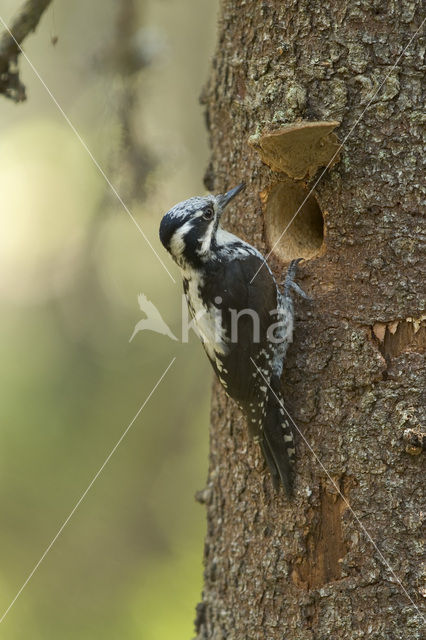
column 325, row 546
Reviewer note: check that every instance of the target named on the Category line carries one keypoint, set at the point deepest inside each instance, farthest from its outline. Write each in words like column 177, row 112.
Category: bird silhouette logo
column 153, row 320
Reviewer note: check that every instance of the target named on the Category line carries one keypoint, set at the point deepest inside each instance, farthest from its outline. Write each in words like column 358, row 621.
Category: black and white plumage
column 228, row 284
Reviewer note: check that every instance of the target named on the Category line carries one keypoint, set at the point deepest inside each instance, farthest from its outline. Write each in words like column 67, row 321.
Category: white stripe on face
column 205, row 245
column 177, row 241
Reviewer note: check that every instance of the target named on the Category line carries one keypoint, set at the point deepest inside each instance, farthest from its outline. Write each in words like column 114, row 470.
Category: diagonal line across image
column 83, row 143
column 86, row 491
column 92, row 157
column 340, row 147
column 364, row 530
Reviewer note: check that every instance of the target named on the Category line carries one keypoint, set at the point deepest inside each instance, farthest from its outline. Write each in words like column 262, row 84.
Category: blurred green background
column 128, row 564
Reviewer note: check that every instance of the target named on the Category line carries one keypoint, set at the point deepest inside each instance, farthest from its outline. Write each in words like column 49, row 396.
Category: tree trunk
column 343, row 558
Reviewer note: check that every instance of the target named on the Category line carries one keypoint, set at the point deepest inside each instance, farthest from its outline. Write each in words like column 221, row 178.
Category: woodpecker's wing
column 247, row 314
column 250, row 369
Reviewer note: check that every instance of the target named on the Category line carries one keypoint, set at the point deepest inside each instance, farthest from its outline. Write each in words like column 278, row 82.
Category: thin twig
column 24, row 22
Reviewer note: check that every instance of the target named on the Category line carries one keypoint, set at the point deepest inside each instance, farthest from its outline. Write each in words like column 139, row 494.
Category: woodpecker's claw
column 292, row 268
column 300, row 291
column 289, row 282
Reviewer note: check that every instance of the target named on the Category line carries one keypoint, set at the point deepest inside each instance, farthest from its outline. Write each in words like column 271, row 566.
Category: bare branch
column 25, row 21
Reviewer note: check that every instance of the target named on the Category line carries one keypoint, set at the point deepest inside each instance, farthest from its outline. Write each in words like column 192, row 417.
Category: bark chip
column 299, row 149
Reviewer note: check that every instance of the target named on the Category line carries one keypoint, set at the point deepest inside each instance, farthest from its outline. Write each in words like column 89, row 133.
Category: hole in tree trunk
column 304, row 236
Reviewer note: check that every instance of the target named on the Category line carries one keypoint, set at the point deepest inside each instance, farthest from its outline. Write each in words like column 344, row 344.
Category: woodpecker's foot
column 289, row 282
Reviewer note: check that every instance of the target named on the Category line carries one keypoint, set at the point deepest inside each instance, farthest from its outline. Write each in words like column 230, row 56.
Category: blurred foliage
column 128, row 564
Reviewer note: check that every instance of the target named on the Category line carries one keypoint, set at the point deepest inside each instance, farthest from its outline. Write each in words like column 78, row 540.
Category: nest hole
column 304, row 236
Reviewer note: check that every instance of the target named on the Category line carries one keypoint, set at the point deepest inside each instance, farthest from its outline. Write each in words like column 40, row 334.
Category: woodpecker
column 244, row 321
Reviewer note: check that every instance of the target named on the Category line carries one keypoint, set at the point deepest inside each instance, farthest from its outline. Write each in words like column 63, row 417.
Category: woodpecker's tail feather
column 269, row 459
column 277, row 442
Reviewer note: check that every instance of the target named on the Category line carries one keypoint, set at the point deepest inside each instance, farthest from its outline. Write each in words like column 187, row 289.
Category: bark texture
column 352, row 382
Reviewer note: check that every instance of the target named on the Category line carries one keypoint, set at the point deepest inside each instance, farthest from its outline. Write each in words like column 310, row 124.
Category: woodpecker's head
column 189, row 229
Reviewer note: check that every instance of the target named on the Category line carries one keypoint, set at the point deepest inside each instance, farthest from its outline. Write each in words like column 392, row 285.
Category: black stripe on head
column 169, row 224
column 193, row 242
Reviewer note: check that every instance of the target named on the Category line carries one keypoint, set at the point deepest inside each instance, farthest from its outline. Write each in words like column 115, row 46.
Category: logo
column 153, row 320
column 208, row 324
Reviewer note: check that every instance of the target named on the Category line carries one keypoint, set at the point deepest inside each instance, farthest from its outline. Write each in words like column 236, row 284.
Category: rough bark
column 353, row 377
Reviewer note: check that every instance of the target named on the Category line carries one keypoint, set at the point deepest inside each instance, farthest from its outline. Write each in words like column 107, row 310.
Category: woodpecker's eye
column 208, row 213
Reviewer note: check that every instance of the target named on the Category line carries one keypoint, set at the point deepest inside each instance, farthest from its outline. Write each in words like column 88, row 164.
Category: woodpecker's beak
column 225, row 198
